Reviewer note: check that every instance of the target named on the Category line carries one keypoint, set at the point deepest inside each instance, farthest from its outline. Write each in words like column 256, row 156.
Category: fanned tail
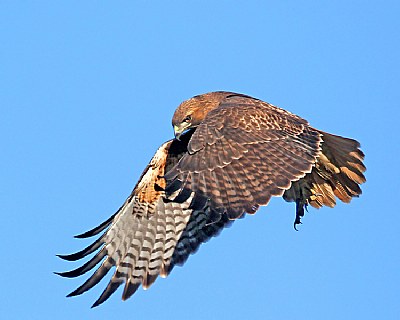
column 338, row 173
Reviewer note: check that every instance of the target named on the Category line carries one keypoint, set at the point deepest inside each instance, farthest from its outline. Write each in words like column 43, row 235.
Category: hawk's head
column 192, row 112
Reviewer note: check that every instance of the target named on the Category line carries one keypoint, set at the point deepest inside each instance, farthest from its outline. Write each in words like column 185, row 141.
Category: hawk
column 230, row 155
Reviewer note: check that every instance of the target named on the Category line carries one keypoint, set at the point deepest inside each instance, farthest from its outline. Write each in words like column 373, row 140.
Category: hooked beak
column 179, row 130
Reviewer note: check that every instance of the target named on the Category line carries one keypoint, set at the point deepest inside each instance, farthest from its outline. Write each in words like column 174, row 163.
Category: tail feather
column 338, row 173
column 321, row 192
column 344, row 154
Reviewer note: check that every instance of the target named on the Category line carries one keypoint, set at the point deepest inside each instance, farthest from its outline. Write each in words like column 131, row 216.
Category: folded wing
column 244, row 152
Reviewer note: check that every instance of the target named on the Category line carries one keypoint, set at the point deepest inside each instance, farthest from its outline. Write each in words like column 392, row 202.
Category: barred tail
column 338, row 173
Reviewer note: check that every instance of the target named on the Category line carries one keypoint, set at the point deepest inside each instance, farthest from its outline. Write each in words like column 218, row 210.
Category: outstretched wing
column 147, row 236
column 244, row 152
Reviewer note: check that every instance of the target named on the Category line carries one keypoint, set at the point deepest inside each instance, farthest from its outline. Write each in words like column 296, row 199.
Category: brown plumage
column 231, row 154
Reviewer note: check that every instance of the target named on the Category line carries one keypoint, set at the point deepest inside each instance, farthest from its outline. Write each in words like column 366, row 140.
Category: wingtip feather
column 98, row 229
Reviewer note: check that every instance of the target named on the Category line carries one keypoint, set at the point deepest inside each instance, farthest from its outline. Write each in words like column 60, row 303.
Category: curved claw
column 295, row 225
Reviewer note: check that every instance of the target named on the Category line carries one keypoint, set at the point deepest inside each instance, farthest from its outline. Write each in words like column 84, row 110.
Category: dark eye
column 187, row 118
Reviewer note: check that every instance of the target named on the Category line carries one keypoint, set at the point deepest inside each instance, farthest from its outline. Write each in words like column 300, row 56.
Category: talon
column 295, row 225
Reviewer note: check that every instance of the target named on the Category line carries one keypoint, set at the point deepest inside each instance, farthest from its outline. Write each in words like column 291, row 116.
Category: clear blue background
column 87, row 92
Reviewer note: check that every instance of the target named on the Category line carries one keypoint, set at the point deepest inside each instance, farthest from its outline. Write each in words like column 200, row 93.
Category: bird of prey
column 230, row 154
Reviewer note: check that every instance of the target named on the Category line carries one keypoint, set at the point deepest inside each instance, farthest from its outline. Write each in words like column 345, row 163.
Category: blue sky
column 87, row 93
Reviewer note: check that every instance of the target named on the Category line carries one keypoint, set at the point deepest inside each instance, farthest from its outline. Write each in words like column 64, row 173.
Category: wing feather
column 267, row 146
column 141, row 239
column 84, row 252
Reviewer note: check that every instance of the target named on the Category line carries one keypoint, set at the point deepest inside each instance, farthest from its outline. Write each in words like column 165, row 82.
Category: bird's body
column 232, row 153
